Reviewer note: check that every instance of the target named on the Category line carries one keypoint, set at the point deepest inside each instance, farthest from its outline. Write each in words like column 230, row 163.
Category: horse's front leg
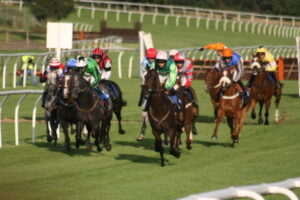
column 97, row 138
column 267, row 106
column 260, row 119
column 189, row 135
column 277, row 100
column 218, row 121
column 158, row 146
column 144, row 126
column 117, row 111
column 49, row 137
column 65, row 127
column 78, row 138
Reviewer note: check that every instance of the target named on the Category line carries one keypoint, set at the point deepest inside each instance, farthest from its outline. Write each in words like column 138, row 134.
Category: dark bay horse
column 230, row 105
column 191, row 111
column 262, row 90
column 212, row 78
column 50, row 106
column 161, row 115
column 117, row 99
column 90, row 111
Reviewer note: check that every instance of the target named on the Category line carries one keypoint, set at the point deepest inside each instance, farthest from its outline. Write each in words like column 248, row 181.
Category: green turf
column 132, row 169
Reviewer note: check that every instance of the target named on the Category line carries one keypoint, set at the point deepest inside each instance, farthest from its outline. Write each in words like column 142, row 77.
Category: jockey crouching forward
column 167, row 71
column 56, row 67
column 104, row 67
column 185, row 68
column 234, row 62
column 88, row 68
column 269, row 63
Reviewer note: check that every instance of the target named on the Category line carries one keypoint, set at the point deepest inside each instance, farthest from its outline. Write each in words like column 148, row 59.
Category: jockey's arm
column 96, row 76
column 189, row 75
column 172, row 77
column 238, row 71
column 271, row 65
column 107, row 71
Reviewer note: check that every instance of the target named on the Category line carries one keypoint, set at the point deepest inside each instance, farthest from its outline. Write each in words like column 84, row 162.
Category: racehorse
column 161, row 115
column 262, row 90
column 230, row 105
column 117, row 100
column 191, row 111
column 50, row 106
column 211, row 81
column 90, row 111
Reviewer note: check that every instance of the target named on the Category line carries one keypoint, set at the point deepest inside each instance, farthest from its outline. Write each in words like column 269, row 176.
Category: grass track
column 132, row 169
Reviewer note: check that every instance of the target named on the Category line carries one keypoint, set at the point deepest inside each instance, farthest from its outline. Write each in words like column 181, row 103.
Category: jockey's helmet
column 97, row 53
column 261, row 50
column 179, row 57
column 162, row 55
column 220, row 46
column 81, row 61
column 71, row 62
column 151, row 53
column 54, row 63
column 173, row 52
column 227, row 55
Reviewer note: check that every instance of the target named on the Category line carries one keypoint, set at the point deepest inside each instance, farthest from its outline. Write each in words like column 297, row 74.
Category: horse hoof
column 77, row 145
column 253, row 116
column 266, row 123
column 189, row 147
column 122, row 131
column 55, row 142
column 213, row 137
column 49, row 139
column 140, row 138
column 260, row 121
column 108, row 147
column 99, row 149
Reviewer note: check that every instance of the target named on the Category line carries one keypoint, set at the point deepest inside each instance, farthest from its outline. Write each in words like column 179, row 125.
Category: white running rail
column 253, row 191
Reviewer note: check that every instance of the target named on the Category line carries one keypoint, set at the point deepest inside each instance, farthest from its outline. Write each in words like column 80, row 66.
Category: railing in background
column 5, row 95
column 253, row 191
column 11, row 61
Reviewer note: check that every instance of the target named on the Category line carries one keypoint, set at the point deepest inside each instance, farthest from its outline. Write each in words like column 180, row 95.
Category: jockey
column 54, row 66
column 167, row 76
column 89, row 69
column 104, row 63
column 269, row 64
column 234, row 62
column 185, row 68
column 146, row 63
column 28, row 62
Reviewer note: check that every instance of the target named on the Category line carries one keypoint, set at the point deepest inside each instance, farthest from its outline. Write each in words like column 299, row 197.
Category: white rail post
column 177, row 20
column 130, row 66
column 4, row 73
column 129, row 17
column 79, row 12
column 154, row 19
column 198, row 22
column 240, row 26
column 207, row 23
column 105, row 14
column 1, row 104
column 253, row 28
column 34, row 119
column 93, row 11
column 120, row 64
column 17, row 119
column 188, row 21
column 166, row 20
column 233, row 26
column 259, row 28
column 298, row 59
column 225, row 25
column 15, row 72
column 118, row 16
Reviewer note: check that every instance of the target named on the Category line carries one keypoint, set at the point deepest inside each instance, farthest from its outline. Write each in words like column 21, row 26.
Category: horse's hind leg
column 143, row 127
column 117, row 111
column 277, row 100
column 97, row 139
column 65, row 126
column 49, row 137
column 189, row 136
column 78, row 138
column 267, row 106
column 107, row 144
column 253, row 105
column 260, row 120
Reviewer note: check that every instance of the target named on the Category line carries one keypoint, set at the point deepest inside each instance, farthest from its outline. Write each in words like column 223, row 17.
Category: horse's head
column 226, row 79
column 77, row 84
column 152, row 83
column 52, row 89
column 211, row 79
column 255, row 65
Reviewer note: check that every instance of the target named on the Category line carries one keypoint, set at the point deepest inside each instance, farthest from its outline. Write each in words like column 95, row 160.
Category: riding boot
column 245, row 94
column 249, row 84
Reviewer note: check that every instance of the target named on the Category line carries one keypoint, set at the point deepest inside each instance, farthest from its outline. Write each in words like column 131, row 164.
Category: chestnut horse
column 191, row 111
column 230, row 105
column 262, row 90
column 161, row 115
column 211, row 81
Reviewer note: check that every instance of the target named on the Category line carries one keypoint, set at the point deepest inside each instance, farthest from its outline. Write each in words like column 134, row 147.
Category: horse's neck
column 231, row 90
column 158, row 101
column 262, row 79
column 86, row 99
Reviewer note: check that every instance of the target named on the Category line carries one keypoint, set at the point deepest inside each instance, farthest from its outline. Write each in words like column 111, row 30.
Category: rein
column 159, row 121
column 231, row 97
column 89, row 110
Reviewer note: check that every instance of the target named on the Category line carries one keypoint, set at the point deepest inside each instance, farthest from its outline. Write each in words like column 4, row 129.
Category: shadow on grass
column 141, row 159
column 205, row 119
column 292, row 95
column 61, row 148
column 147, row 144
column 211, row 144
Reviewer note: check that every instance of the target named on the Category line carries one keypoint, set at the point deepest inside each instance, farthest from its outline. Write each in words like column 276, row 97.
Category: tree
column 53, row 10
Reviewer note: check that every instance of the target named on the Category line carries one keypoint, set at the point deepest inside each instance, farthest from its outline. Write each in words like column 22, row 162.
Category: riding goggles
column 161, row 61
column 96, row 56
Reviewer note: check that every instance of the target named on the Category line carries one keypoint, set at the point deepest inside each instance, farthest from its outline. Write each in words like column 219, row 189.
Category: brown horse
column 230, row 105
column 161, row 115
column 191, row 110
column 262, row 90
column 211, row 80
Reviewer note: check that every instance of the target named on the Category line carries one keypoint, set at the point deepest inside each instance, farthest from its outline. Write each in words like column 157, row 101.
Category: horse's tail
column 124, row 103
